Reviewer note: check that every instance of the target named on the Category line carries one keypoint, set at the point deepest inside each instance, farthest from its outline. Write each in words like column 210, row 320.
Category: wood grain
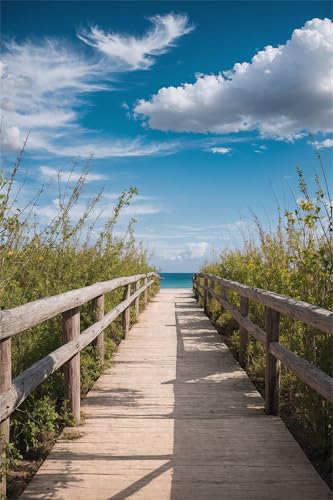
column 29, row 379
column 307, row 313
column 18, row 319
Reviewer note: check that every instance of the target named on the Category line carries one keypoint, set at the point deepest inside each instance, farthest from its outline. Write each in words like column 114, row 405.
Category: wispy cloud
column 263, row 94
column 126, row 52
column 46, row 83
column 69, row 176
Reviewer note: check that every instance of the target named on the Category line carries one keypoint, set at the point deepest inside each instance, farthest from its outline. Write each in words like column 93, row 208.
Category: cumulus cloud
column 181, row 253
column 282, row 92
column 131, row 53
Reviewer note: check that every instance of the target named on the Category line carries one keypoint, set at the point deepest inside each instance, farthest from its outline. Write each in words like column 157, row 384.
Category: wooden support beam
column 272, row 367
column 145, row 294
column 5, row 384
column 243, row 333
column 127, row 312
column 137, row 301
column 71, row 331
column 98, row 307
column 205, row 295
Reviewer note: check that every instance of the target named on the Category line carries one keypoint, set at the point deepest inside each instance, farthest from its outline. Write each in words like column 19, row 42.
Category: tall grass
column 39, row 260
column 294, row 259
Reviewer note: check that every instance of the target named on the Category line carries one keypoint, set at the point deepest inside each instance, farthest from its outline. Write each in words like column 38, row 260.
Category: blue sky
column 204, row 106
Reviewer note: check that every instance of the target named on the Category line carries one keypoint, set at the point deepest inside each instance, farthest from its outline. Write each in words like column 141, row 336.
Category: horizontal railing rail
column 275, row 352
column 19, row 319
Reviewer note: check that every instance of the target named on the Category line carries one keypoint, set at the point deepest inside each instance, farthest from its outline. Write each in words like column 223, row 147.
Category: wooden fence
column 275, row 352
column 21, row 318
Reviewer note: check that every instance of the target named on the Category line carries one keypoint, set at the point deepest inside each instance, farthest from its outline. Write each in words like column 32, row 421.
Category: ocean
column 176, row 280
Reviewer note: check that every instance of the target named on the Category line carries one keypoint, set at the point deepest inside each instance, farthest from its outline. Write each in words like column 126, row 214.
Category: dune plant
column 42, row 259
column 295, row 258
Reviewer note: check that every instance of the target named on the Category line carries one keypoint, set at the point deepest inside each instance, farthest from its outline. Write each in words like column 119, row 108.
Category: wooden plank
column 245, row 322
column 243, row 334
column 175, row 417
column 308, row 373
column 307, row 313
column 5, row 383
column 137, row 302
column 145, row 295
column 272, row 364
column 98, row 308
column 205, row 295
column 127, row 312
column 18, row 319
column 72, row 385
column 28, row 380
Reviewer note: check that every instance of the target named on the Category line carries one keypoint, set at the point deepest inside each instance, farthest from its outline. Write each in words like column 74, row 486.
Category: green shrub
column 294, row 259
column 42, row 260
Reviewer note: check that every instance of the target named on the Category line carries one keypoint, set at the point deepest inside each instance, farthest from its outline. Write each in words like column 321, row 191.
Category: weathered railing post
column 145, row 293
column 272, row 368
column 205, row 295
column 5, row 384
column 71, row 331
column 127, row 312
column 98, row 307
column 243, row 334
column 137, row 301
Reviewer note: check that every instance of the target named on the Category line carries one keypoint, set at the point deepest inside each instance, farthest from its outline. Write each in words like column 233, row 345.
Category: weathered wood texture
column 28, row 380
column 72, row 385
column 307, row 313
column 127, row 312
column 272, row 364
column 243, row 334
column 18, row 319
column 137, row 302
column 98, row 305
column 314, row 377
column 176, row 418
column 5, row 383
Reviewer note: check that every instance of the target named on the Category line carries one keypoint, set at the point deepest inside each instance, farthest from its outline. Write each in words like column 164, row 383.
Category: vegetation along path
column 176, row 418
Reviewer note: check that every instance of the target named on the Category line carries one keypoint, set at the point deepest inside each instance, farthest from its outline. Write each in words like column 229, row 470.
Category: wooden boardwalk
column 176, row 418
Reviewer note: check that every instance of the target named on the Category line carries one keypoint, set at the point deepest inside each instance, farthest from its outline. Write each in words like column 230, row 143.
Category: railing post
column 127, row 312
column 71, row 331
column 137, row 301
column 243, row 334
column 98, row 307
column 272, row 368
column 145, row 293
column 205, row 295
column 5, row 384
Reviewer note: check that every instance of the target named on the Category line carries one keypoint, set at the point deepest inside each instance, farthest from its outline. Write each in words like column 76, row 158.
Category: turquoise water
column 176, row 280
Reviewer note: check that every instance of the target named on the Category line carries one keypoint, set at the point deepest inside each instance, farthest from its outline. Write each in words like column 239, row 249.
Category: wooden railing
column 275, row 352
column 21, row 318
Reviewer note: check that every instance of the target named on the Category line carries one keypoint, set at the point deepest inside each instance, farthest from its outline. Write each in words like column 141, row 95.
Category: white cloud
column 130, row 53
column 282, row 92
column 67, row 176
column 326, row 143
column 220, row 150
column 45, row 86
column 142, row 209
column 196, row 250
column 12, row 140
